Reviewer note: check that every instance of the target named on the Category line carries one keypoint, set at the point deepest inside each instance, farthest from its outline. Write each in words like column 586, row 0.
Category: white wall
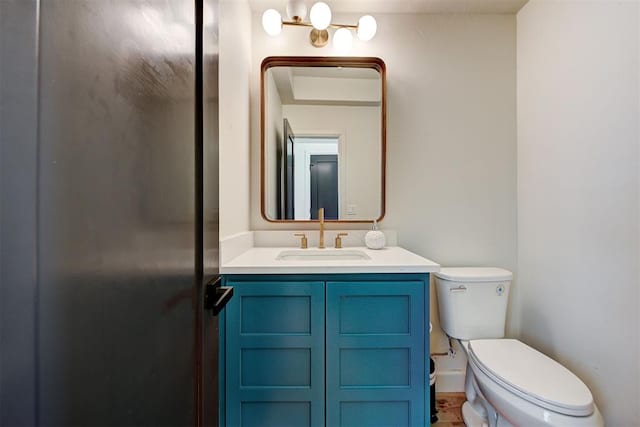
column 451, row 136
column 273, row 145
column 578, row 193
column 234, row 73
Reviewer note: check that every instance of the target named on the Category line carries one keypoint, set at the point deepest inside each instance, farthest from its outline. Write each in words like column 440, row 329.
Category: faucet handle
column 338, row 244
column 304, row 244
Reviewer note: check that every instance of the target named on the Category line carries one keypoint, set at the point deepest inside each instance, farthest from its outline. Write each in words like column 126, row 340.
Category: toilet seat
column 532, row 376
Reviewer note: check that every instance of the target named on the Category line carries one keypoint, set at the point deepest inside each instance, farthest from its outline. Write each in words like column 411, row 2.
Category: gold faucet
column 321, row 219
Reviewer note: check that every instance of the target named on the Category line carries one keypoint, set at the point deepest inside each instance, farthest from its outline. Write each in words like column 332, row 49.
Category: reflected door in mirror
column 324, row 186
column 288, row 186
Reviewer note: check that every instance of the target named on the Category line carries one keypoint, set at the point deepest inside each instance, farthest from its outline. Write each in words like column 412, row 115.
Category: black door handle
column 216, row 296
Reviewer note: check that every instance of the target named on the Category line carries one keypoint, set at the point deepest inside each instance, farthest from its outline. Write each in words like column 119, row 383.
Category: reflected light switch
column 351, row 209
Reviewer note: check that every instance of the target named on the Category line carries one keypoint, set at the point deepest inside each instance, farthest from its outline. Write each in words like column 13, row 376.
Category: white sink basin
column 322, row 255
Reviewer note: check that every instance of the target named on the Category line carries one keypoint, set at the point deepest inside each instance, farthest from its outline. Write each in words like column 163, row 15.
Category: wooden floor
column 449, row 407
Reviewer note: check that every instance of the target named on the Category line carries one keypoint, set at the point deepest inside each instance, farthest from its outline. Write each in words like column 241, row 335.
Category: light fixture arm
column 308, row 24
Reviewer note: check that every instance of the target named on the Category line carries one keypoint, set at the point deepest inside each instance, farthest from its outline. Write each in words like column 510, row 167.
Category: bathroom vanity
column 325, row 336
column 329, row 341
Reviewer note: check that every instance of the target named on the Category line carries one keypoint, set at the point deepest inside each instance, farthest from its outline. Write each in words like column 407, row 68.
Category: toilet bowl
column 507, row 383
column 543, row 394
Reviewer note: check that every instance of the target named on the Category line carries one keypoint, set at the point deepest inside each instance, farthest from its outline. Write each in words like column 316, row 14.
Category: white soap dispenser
column 375, row 239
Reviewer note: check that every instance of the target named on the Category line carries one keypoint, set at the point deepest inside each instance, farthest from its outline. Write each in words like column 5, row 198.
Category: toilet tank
column 473, row 301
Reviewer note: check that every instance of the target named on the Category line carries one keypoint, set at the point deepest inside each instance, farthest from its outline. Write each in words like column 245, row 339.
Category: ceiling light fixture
column 319, row 22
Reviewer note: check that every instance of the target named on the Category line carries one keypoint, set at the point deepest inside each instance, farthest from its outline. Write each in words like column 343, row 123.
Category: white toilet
column 507, row 382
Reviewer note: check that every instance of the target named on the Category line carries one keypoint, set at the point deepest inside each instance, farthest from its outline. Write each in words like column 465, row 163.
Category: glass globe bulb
column 296, row 10
column 272, row 22
column 343, row 40
column 320, row 16
column 367, row 28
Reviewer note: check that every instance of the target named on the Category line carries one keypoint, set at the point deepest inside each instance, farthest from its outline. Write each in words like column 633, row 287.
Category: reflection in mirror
column 323, row 139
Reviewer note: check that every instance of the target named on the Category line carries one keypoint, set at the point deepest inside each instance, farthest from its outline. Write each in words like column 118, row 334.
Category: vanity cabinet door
column 375, row 344
column 275, row 354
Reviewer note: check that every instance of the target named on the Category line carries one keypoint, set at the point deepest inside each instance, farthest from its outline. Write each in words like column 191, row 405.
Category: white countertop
column 392, row 259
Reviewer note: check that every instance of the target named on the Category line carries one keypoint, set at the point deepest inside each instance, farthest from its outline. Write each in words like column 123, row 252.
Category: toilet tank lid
column 474, row 274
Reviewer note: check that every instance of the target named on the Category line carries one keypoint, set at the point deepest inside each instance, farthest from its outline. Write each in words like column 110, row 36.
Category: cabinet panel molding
column 380, row 376
column 274, row 340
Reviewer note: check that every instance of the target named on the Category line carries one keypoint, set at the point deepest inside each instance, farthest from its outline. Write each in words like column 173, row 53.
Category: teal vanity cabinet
column 325, row 350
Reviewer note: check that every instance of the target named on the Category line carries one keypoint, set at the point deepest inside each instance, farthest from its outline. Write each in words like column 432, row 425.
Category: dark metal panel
column 210, row 204
column 18, row 153
column 112, row 191
column 117, row 255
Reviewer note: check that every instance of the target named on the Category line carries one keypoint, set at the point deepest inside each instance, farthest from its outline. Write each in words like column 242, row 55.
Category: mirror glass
column 323, row 138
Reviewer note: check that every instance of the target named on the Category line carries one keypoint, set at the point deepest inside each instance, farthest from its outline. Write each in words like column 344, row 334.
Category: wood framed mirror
column 322, row 138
